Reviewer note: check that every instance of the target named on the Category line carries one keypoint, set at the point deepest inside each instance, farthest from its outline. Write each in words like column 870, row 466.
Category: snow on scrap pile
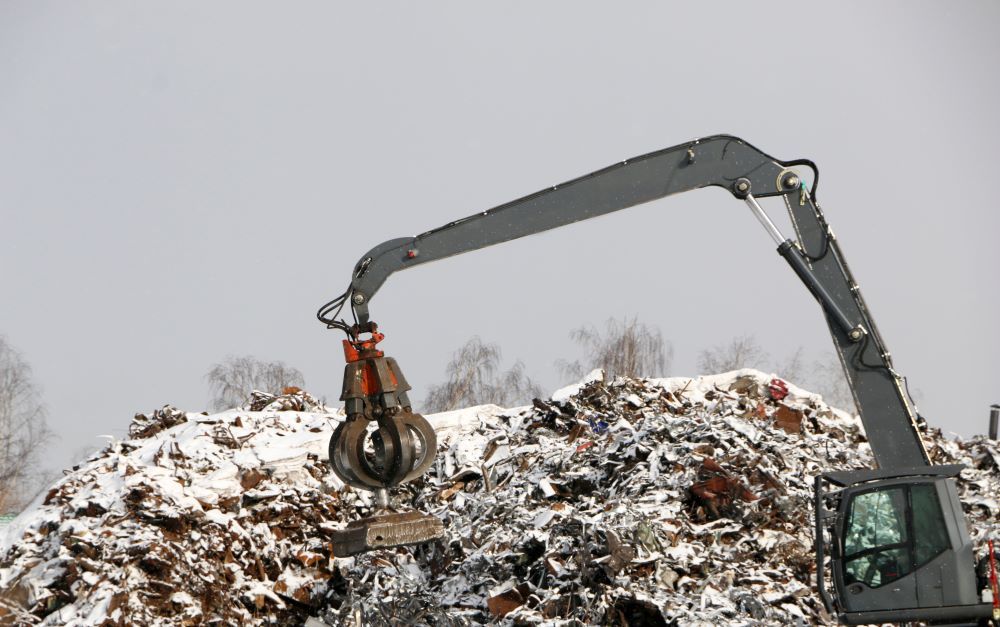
column 196, row 519
column 623, row 502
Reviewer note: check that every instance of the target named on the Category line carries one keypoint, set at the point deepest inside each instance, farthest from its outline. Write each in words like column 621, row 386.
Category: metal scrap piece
column 386, row 531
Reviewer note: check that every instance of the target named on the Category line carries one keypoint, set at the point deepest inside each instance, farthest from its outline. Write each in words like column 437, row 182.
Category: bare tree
column 741, row 352
column 625, row 348
column 23, row 429
column 232, row 381
column 794, row 368
column 828, row 379
column 474, row 379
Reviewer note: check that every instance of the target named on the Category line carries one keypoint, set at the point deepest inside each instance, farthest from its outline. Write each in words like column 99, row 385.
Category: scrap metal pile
column 643, row 502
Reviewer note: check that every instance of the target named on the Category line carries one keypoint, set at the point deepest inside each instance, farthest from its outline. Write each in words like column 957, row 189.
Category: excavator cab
column 896, row 548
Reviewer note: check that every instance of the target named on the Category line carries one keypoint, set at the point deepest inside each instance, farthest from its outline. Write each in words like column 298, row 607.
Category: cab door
column 894, row 547
column 876, row 559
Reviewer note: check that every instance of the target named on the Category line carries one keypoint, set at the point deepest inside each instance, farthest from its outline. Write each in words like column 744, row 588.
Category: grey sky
column 180, row 182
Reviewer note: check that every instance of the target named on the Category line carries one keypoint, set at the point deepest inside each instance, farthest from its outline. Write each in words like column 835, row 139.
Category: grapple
column 380, row 445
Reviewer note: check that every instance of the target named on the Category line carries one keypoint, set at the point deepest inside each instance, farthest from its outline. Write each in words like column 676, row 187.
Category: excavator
column 892, row 543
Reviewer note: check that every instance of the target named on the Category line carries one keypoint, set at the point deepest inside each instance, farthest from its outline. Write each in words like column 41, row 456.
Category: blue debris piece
column 599, row 426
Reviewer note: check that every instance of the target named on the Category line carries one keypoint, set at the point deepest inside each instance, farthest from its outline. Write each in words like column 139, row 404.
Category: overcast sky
column 180, row 182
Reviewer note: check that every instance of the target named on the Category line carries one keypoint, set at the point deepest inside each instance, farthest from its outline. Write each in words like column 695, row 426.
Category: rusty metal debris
column 719, row 489
column 386, row 531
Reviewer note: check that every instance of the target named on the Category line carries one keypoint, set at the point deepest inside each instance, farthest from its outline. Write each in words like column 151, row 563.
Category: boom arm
column 718, row 160
column 722, row 161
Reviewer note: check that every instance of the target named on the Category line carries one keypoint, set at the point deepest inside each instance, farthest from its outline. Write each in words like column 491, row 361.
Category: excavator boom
column 711, row 161
column 720, row 161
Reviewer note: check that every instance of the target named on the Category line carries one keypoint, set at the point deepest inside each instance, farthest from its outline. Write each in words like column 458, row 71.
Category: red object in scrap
column 778, row 389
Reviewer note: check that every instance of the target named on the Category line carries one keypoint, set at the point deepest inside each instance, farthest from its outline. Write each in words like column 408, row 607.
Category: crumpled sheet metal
column 673, row 501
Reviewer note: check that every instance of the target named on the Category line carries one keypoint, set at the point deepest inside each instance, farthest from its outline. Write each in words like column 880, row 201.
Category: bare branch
column 828, row 379
column 742, row 352
column 625, row 348
column 232, row 381
column 23, row 429
column 474, row 379
column 794, row 368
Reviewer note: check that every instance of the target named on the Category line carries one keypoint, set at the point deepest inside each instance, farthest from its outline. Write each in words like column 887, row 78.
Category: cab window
column 891, row 531
column 929, row 532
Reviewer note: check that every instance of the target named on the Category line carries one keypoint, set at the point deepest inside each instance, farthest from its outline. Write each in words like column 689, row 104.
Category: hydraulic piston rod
column 790, row 252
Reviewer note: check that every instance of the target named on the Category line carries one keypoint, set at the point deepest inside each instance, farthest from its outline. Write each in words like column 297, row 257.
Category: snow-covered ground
column 622, row 502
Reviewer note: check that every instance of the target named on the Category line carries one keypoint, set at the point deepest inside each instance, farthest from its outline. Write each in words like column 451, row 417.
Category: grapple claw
column 400, row 449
